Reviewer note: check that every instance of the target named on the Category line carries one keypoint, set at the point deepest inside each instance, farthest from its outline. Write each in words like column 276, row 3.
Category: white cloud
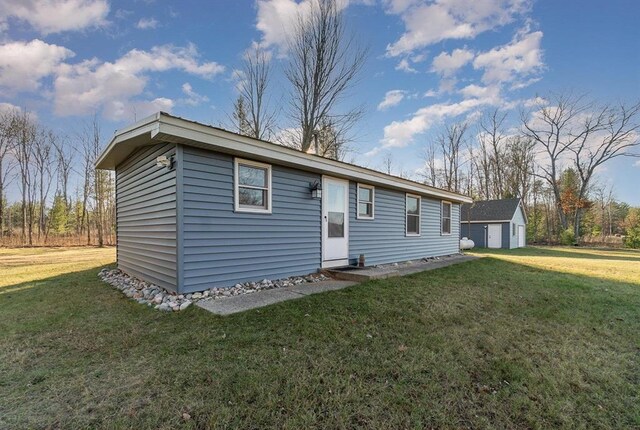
column 8, row 107
column 521, row 57
column 489, row 92
column 276, row 19
column 430, row 22
column 404, row 66
column 401, row 133
column 448, row 64
column 54, row 16
column 391, row 98
column 193, row 98
column 637, row 163
column 93, row 85
column 147, row 23
column 24, row 64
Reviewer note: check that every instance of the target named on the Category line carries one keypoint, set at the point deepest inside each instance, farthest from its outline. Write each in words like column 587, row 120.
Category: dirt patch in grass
column 490, row 343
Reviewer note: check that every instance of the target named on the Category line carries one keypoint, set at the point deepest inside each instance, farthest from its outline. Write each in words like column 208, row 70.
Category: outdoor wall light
column 316, row 190
column 164, row 161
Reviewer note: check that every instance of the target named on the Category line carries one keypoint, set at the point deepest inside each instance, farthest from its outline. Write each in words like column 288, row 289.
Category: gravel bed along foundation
column 149, row 294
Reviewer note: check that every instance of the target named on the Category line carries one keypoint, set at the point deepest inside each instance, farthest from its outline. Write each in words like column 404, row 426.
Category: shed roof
column 490, row 210
column 163, row 127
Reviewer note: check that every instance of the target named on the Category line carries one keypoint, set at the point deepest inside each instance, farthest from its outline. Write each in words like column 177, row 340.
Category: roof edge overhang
column 162, row 127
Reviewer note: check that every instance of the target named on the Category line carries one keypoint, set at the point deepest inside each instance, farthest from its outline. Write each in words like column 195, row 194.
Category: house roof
column 490, row 210
column 163, row 127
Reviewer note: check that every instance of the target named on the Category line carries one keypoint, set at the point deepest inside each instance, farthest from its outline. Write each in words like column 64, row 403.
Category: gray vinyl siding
column 506, row 235
column 518, row 219
column 223, row 247
column 477, row 233
column 383, row 240
column 146, row 216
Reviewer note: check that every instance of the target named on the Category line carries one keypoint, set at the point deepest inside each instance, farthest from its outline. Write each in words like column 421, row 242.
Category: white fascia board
column 149, row 124
column 181, row 131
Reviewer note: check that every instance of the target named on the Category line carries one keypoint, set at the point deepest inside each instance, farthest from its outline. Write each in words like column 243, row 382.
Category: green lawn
column 531, row 338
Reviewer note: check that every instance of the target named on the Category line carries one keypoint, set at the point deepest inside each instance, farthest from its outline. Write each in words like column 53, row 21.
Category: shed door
column 335, row 222
column 494, row 233
column 522, row 236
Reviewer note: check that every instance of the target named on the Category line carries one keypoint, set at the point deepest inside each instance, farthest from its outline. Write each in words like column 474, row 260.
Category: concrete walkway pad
column 399, row 269
column 245, row 302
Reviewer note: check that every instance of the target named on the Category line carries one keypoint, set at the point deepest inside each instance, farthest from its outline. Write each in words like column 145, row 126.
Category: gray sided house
column 201, row 207
column 495, row 223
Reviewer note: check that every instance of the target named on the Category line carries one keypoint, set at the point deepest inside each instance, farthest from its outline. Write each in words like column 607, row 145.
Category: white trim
column 167, row 128
column 236, row 200
column 415, row 196
column 373, row 201
column 442, row 203
column 327, row 264
column 325, row 233
column 499, row 227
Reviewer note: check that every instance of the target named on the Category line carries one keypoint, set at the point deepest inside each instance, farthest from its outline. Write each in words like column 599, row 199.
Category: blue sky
column 430, row 62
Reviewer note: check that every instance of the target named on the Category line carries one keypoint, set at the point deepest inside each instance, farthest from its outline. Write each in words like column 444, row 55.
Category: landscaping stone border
column 149, row 294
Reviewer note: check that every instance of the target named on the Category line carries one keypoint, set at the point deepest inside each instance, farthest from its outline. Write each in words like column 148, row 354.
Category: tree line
column 63, row 198
column 549, row 159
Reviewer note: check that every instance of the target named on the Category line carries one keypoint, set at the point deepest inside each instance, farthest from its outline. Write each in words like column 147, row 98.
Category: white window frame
column 236, row 186
column 442, row 203
column 373, row 201
column 406, row 224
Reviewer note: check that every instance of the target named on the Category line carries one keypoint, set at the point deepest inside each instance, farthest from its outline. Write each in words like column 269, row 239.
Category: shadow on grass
column 580, row 253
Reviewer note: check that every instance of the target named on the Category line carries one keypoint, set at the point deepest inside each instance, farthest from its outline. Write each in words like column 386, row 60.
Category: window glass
column 252, row 197
column 446, row 218
column 253, row 187
column 412, row 205
column 336, row 224
column 365, row 194
column 365, row 202
column 365, row 209
column 413, row 215
column 250, row 175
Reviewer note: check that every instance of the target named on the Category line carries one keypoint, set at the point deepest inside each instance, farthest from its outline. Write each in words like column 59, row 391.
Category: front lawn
column 531, row 338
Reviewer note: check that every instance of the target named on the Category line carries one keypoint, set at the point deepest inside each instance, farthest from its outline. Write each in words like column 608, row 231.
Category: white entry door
column 335, row 222
column 522, row 237
column 494, row 236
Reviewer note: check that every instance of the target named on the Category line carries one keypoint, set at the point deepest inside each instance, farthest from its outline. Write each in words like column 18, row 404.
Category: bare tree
column 614, row 133
column 518, row 166
column 555, row 128
column 43, row 163
column 240, row 117
column 577, row 132
column 22, row 148
column 7, row 131
column 259, row 116
column 450, row 143
column 491, row 138
column 387, row 163
column 94, row 180
column 324, row 63
column 431, row 172
column 64, row 162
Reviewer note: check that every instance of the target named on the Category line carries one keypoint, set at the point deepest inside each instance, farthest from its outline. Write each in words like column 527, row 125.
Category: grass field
column 531, row 338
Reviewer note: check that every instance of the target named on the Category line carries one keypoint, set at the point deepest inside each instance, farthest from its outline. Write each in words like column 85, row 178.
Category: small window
column 252, row 186
column 513, row 229
column 413, row 215
column 446, row 218
column 365, row 201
